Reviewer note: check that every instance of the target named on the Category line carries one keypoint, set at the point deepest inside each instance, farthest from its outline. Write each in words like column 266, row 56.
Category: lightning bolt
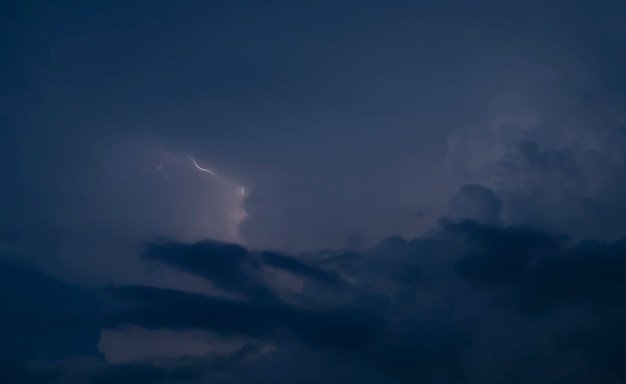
column 199, row 167
column 210, row 172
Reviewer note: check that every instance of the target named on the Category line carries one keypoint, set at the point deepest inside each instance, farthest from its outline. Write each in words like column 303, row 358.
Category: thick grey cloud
column 432, row 308
column 558, row 170
column 477, row 203
column 522, row 271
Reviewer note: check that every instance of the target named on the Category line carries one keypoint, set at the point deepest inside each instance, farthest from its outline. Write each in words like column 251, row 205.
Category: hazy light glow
column 239, row 214
column 160, row 169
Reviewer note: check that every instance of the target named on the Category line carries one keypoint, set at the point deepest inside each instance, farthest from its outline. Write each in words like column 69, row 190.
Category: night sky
column 312, row 191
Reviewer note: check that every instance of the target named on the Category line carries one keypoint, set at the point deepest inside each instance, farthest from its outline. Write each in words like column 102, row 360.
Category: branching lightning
column 199, row 167
column 240, row 214
column 206, row 170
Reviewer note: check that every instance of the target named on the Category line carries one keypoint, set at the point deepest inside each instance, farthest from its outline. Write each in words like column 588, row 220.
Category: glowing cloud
column 240, row 214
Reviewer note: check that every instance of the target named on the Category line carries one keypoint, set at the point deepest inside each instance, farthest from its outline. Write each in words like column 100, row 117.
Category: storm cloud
column 535, row 296
column 312, row 191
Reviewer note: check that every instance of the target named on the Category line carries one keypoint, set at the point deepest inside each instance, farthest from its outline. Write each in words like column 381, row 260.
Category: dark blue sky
column 346, row 123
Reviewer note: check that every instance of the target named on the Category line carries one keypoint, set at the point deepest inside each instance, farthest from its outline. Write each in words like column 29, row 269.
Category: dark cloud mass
column 532, row 297
column 44, row 318
column 317, row 191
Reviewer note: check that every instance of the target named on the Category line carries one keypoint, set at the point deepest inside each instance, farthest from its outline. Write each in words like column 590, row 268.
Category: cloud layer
column 471, row 302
